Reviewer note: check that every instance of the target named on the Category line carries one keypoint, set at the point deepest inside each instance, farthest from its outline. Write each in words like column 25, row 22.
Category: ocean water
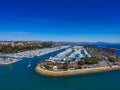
column 19, row 77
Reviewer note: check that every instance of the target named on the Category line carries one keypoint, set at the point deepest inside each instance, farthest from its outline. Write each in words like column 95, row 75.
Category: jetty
column 44, row 72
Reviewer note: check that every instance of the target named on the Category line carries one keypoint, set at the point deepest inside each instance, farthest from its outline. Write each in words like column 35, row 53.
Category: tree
column 92, row 60
column 65, row 65
column 112, row 59
column 80, row 63
column 73, row 59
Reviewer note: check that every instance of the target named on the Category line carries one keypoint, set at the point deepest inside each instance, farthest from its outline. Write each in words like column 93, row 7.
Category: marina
column 28, row 79
column 73, row 52
column 59, row 44
column 77, row 59
column 6, row 59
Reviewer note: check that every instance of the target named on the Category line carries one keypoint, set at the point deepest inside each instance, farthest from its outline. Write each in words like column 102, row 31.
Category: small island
column 78, row 60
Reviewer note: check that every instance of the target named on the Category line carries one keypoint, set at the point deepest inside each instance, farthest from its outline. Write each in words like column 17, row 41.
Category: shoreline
column 41, row 71
column 33, row 53
column 3, row 64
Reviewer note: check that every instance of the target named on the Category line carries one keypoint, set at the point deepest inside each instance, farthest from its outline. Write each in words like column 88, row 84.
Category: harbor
column 24, row 73
column 6, row 59
column 79, row 60
column 73, row 52
column 9, row 60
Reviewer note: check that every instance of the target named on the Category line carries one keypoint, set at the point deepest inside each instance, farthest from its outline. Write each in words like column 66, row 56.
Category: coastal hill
column 20, row 46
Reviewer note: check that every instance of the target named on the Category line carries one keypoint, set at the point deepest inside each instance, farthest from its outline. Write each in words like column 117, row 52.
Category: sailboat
column 29, row 65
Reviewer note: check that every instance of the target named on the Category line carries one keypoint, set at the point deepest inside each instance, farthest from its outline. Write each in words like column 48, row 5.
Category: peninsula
column 78, row 60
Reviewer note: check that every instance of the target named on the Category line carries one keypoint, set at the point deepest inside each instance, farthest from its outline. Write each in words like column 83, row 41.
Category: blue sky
column 60, row 20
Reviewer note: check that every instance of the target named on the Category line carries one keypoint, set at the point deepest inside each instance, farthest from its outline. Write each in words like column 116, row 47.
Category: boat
column 29, row 65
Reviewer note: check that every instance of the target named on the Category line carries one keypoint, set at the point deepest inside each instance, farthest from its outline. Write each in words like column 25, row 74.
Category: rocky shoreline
column 41, row 71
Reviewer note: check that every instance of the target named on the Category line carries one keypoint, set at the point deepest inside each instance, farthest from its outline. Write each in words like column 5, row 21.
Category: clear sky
column 60, row 20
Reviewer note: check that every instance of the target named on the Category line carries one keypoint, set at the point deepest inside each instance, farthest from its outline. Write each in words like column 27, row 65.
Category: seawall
column 41, row 71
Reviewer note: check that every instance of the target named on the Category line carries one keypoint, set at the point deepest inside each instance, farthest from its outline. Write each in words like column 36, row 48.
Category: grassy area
column 92, row 60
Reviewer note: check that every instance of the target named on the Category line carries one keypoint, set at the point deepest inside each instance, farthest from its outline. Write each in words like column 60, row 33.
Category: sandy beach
column 41, row 71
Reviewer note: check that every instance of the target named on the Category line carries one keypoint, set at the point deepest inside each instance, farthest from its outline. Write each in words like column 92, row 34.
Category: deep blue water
column 19, row 77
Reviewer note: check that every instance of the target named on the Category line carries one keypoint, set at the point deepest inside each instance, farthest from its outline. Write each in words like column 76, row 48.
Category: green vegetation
column 80, row 63
column 73, row 59
column 117, row 58
column 24, row 46
column 113, row 59
column 92, row 60
column 65, row 65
